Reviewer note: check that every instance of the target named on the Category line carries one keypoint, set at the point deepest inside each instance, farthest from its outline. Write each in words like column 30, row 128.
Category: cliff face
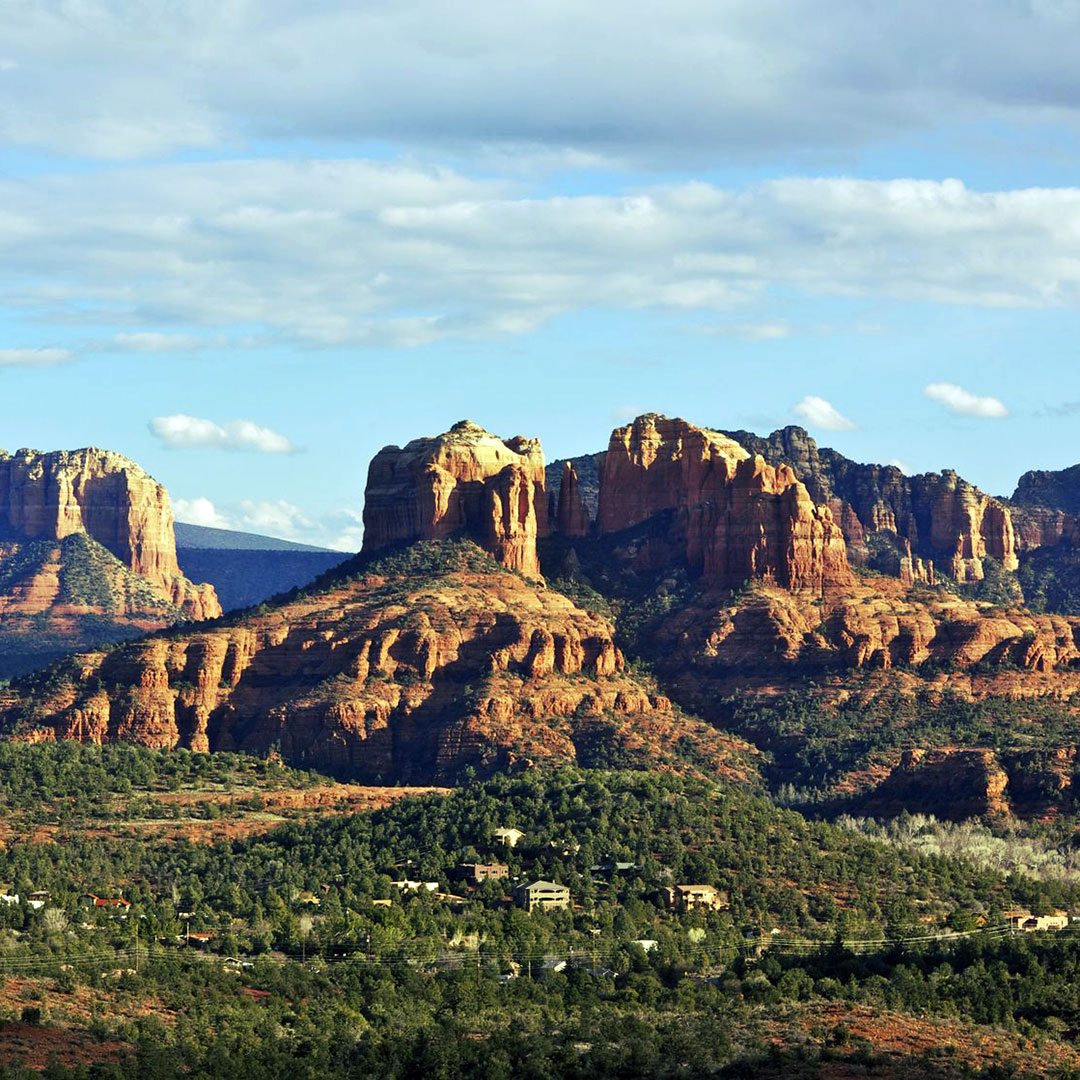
column 571, row 516
column 1052, row 489
column 108, row 498
column 466, row 482
column 733, row 516
column 418, row 672
column 895, row 523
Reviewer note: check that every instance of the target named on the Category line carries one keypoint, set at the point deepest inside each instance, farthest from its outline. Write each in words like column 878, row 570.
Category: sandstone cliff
column 428, row 662
column 730, row 515
column 466, row 482
column 108, row 498
column 571, row 516
column 895, row 523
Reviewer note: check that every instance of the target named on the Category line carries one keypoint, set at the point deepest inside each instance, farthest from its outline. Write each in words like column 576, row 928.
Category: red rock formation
column 888, row 517
column 735, row 516
column 572, row 519
column 109, row 498
column 774, row 641
column 395, row 678
column 965, row 525
column 465, row 482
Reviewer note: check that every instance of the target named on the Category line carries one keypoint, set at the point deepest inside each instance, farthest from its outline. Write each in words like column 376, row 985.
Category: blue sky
column 250, row 243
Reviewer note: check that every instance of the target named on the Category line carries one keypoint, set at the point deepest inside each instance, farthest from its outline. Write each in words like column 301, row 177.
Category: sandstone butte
column 408, row 675
column 466, row 482
column 109, row 498
column 732, row 515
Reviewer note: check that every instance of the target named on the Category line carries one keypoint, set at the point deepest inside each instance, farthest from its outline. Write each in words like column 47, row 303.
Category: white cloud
column 961, row 402
column 342, row 530
column 200, row 511
column 180, row 432
column 757, row 331
column 34, row 357
column 546, row 78
column 903, row 466
column 818, row 412
column 276, row 518
column 355, row 253
column 149, row 341
column 339, row 530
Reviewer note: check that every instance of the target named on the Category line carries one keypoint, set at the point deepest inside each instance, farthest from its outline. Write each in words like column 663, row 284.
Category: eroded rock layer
column 771, row 640
column 466, row 482
column 406, row 674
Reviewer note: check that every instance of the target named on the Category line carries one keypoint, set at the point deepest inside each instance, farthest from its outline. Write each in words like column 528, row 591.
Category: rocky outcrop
column 938, row 519
column 1052, row 489
column 466, row 482
column 415, row 675
column 108, row 498
column 731, row 515
column 773, row 641
column 571, row 517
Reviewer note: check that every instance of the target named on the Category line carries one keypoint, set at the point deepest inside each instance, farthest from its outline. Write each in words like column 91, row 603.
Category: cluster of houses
column 541, row 895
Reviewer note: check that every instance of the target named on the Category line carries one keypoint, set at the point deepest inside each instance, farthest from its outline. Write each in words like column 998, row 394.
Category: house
column 199, row 938
column 477, row 872
column 382, row 903
column 613, row 868
column 647, row 944
column 509, row 837
column 415, row 886
column 542, row 895
column 1028, row 923
column 696, row 898
column 9, row 898
column 90, row 900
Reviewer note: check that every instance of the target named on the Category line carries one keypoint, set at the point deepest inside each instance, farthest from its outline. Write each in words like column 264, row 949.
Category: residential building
column 477, row 872
column 542, row 896
column 509, row 837
column 1025, row 921
column 415, row 886
column 90, row 900
column 696, row 898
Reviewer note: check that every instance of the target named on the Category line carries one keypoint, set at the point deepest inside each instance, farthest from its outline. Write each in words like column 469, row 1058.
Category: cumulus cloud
column 200, row 511
column 181, row 432
column 615, row 78
column 961, row 402
column 34, row 357
column 818, row 412
column 357, row 253
column 339, row 530
column 276, row 518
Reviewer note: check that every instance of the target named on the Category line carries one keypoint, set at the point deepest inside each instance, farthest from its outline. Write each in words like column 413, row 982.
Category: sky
column 248, row 243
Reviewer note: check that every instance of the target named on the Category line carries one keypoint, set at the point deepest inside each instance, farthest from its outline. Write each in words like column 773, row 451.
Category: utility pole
column 136, row 944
